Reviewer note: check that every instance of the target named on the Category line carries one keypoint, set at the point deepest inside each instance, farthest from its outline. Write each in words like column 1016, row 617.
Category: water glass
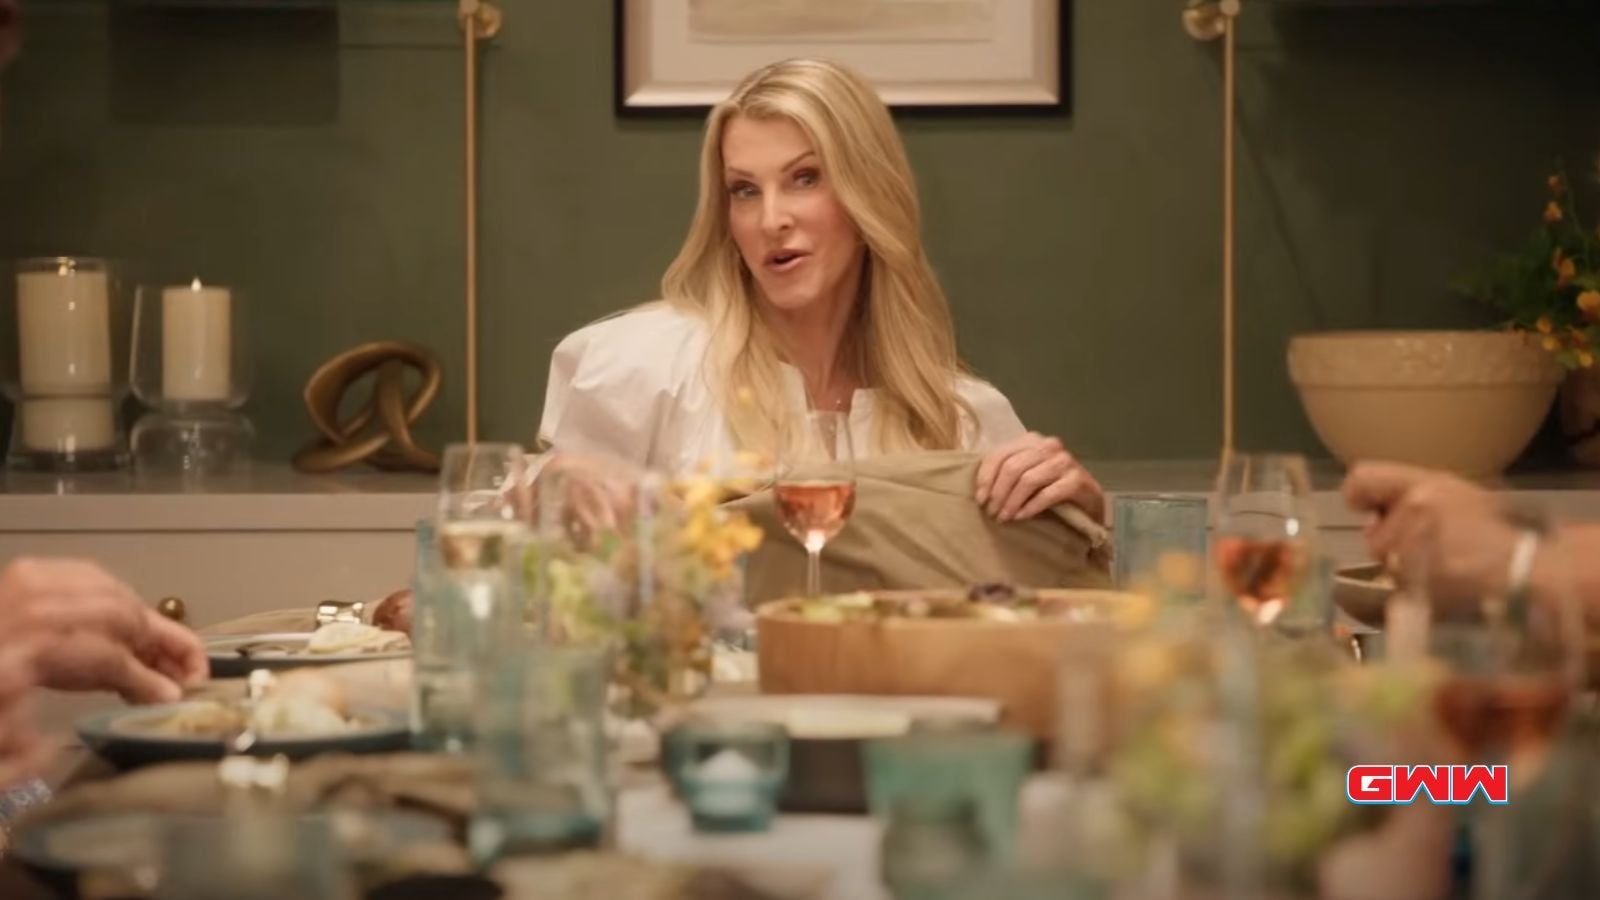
column 541, row 750
column 461, row 619
column 1150, row 528
column 983, row 768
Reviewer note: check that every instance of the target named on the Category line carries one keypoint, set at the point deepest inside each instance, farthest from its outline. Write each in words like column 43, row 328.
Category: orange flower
column 1589, row 304
column 1585, row 359
column 1577, row 337
column 1543, row 324
column 1552, row 212
column 1550, row 343
column 1566, row 269
column 1557, row 184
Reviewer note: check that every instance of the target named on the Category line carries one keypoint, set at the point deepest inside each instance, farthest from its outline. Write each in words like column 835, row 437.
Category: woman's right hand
column 595, row 495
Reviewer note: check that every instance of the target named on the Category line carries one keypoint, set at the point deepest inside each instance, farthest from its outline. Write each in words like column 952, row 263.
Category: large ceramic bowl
column 1464, row 401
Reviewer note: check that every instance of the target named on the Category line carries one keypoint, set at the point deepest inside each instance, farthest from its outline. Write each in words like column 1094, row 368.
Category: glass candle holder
column 191, row 347
column 191, row 365
column 64, row 326
column 730, row 773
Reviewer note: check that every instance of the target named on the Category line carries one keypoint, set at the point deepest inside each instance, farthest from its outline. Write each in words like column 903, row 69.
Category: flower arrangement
column 651, row 588
column 1550, row 288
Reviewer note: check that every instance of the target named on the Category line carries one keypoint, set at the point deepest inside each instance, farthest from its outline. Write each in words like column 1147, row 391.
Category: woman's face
column 794, row 234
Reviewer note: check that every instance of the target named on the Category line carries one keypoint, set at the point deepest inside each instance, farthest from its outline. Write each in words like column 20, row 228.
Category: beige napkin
column 916, row 525
column 438, row 784
column 270, row 621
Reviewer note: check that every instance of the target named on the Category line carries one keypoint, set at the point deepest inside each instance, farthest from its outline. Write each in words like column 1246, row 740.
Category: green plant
column 1550, row 287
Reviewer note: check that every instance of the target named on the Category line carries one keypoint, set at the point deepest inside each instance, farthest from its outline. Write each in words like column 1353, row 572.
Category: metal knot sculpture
column 379, row 432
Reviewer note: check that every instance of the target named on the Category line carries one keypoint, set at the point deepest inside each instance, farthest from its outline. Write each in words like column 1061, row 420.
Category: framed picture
column 676, row 56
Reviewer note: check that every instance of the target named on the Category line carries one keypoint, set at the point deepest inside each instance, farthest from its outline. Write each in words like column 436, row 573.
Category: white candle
column 196, row 334
column 68, row 425
column 64, row 332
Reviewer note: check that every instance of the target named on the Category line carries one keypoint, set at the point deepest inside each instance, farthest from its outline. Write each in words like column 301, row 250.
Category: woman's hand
column 1023, row 478
column 594, row 495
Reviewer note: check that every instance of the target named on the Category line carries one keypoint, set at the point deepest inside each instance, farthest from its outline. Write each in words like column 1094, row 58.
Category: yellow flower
column 1585, row 359
column 1589, row 304
column 1566, row 269
column 1550, row 344
column 1552, row 212
column 1543, row 324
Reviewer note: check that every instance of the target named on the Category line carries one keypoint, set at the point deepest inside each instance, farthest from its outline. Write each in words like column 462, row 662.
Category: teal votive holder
column 731, row 773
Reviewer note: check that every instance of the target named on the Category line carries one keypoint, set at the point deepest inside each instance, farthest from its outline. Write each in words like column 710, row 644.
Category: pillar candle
column 196, row 332
column 68, row 425
column 64, row 332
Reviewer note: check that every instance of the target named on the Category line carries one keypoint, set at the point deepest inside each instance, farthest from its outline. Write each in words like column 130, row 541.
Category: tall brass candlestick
column 480, row 21
column 1208, row 20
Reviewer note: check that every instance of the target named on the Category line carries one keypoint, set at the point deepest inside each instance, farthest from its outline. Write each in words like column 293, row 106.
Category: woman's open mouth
column 785, row 261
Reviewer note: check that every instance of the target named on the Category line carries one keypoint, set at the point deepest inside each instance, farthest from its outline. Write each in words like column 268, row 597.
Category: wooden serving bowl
column 1014, row 663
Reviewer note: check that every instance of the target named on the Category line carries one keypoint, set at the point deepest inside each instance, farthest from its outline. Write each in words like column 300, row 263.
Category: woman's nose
column 775, row 215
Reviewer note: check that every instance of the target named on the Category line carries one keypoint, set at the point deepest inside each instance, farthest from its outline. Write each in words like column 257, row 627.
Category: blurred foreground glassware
column 1151, row 528
column 462, row 619
column 950, row 769
column 541, row 751
column 253, row 856
column 730, row 773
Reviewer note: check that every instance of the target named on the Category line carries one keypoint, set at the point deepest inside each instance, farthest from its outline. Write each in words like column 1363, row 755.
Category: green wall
column 1382, row 151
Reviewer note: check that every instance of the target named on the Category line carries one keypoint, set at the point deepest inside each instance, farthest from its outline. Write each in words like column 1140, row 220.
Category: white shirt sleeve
column 994, row 422
column 615, row 384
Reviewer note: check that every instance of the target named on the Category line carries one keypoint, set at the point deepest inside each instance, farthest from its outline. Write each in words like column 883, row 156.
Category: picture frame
column 677, row 57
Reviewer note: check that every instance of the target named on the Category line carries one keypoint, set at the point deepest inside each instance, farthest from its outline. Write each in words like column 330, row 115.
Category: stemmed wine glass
column 482, row 504
column 1513, row 668
column 1265, row 532
column 816, row 483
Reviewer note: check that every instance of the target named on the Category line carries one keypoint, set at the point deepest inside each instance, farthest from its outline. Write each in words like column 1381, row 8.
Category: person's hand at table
column 1435, row 526
column 77, row 628
column 1024, row 477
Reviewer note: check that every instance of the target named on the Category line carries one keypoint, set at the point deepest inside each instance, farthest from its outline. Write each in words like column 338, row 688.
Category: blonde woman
column 802, row 281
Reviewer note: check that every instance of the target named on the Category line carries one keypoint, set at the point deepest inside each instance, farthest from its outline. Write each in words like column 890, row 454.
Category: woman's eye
column 742, row 190
column 807, row 177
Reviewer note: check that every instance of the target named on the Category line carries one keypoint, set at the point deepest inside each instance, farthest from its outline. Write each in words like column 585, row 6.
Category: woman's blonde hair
column 902, row 337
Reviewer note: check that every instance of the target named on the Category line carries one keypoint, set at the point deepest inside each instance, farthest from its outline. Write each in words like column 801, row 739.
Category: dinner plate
column 228, row 662
column 115, row 735
column 126, row 841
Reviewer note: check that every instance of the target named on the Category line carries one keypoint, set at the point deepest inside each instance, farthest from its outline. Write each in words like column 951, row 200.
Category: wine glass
column 1513, row 667
column 482, row 504
column 1265, row 532
column 816, row 483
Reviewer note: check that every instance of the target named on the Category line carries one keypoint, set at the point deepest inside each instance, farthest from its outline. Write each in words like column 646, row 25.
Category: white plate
column 226, row 661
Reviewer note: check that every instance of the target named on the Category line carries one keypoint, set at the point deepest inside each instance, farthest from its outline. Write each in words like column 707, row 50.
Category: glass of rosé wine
column 816, row 483
column 1264, row 532
column 1512, row 665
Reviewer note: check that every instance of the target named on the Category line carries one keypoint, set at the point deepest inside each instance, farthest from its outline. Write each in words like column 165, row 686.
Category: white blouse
column 632, row 388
